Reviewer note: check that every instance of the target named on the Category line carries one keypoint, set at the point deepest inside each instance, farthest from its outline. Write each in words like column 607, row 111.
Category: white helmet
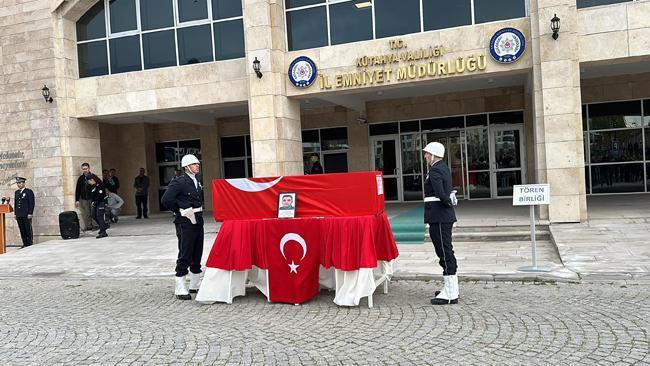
column 189, row 159
column 435, row 149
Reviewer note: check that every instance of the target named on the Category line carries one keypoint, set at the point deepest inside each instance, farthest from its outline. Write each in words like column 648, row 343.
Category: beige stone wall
column 613, row 32
column 276, row 141
column 30, row 127
column 557, row 112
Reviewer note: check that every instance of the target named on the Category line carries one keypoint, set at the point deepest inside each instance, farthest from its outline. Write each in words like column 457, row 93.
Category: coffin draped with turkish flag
column 339, row 222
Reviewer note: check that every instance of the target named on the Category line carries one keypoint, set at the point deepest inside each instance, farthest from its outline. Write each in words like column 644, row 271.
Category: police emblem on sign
column 302, row 72
column 507, row 45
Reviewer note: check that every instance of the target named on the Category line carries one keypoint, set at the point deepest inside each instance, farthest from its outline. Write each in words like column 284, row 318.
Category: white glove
column 189, row 213
column 452, row 197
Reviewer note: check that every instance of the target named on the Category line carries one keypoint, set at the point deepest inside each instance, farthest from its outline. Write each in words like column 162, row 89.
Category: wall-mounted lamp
column 555, row 26
column 46, row 94
column 256, row 67
column 363, row 5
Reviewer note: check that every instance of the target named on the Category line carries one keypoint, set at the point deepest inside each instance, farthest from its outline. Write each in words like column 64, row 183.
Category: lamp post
column 46, row 94
column 256, row 67
column 555, row 26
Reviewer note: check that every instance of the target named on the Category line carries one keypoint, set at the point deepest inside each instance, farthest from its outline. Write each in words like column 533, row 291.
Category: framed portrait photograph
column 287, row 205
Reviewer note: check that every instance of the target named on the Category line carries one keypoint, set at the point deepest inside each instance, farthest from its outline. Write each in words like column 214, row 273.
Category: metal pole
column 532, row 235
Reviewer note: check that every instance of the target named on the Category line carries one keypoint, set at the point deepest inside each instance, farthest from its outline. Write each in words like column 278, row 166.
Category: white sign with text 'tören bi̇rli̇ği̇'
column 530, row 194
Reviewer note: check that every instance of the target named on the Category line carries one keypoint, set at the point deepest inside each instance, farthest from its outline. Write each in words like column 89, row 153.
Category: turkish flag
column 293, row 259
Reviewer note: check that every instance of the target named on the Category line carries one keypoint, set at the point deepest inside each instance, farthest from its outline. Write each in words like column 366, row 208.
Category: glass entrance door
column 507, row 162
column 385, row 158
column 454, row 143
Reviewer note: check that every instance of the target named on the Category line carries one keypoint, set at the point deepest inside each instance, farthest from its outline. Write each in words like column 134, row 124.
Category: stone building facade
column 573, row 110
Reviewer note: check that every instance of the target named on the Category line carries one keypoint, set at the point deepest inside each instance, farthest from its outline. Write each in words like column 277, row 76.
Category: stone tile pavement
column 137, row 321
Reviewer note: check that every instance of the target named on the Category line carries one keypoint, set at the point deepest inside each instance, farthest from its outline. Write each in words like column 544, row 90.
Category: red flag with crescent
column 293, row 260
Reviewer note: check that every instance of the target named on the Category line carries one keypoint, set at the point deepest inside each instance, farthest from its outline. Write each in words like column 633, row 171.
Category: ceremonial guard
column 24, row 201
column 98, row 204
column 184, row 197
column 439, row 214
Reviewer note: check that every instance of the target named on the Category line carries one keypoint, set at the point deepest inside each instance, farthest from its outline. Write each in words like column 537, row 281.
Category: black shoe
column 146, row 217
column 184, row 297
column 115, row 220
column 438, row 293
column 102, row 234
column 436, row 301
column 138, row 217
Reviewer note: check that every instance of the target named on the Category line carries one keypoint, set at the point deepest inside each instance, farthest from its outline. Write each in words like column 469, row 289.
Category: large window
column 117, row 36
column 616, row 146
column 590, row 3
column 318, row 23
column 236, row 157
column 331, row 147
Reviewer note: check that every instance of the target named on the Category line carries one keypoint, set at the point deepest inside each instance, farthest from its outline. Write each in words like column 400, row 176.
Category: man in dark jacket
column 98, row 203
column 316, row 168
column 82, row 197
column 141, row 185
column 112, row 183
column 24, row 211
column 184, row 197
column 439, row 214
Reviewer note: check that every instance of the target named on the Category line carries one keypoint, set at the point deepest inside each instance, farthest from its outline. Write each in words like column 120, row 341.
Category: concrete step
column 498, row 234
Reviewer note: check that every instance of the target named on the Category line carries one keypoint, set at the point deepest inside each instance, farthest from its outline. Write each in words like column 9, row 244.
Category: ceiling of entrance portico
column 356, row 99
column 624, row 67
column 205, row 116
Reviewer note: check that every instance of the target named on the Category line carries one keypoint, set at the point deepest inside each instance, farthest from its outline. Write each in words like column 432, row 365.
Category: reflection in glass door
column 454, row 156
column 385, row 158
column 506, row 155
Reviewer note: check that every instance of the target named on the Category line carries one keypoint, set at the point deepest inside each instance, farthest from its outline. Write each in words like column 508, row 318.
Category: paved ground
column 62, row 321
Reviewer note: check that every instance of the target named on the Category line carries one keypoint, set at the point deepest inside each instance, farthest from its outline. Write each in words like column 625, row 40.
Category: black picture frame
column 287, row 211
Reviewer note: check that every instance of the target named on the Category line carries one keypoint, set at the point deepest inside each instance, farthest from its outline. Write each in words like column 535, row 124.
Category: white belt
column 431, row 199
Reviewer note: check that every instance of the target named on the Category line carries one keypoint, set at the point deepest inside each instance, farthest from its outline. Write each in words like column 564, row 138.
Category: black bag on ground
column 69, row 225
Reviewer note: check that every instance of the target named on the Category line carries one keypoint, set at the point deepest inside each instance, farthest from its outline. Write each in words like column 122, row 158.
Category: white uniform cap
column 435, row 149
column 189, row 159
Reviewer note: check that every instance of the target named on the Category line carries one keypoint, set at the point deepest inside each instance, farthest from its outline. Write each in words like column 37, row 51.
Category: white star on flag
column 293, row 267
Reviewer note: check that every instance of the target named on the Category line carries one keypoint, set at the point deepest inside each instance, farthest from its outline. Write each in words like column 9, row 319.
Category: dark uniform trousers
column 440, row 215
column 25, row 202
column 98, row 213
column 191, row 246
column 25, row 227
column 182, row 193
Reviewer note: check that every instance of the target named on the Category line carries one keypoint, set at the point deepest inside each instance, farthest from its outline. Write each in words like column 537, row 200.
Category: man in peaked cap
column 24, row 211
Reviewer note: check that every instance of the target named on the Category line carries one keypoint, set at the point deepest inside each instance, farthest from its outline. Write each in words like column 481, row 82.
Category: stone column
column 559, row 151
column 274, row 119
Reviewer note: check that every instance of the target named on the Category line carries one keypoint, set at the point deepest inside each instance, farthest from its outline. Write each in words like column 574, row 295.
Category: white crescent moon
column 293, row 237
column 247, row 185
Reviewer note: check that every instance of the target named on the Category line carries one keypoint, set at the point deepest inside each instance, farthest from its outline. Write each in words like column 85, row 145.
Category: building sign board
column 531, row 194
column 401, row 64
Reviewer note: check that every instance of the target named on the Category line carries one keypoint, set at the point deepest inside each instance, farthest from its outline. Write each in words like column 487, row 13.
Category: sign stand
column 531, row 195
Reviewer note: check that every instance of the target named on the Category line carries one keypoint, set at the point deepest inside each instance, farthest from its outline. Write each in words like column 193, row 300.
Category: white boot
column 181, row 289
column 449, row 294
column 195, row 282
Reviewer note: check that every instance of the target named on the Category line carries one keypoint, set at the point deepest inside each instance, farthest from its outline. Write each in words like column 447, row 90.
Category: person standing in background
column 141, row 185
column 98, row 204
column 82, row 197
column 24, row 211
column 112, row 183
